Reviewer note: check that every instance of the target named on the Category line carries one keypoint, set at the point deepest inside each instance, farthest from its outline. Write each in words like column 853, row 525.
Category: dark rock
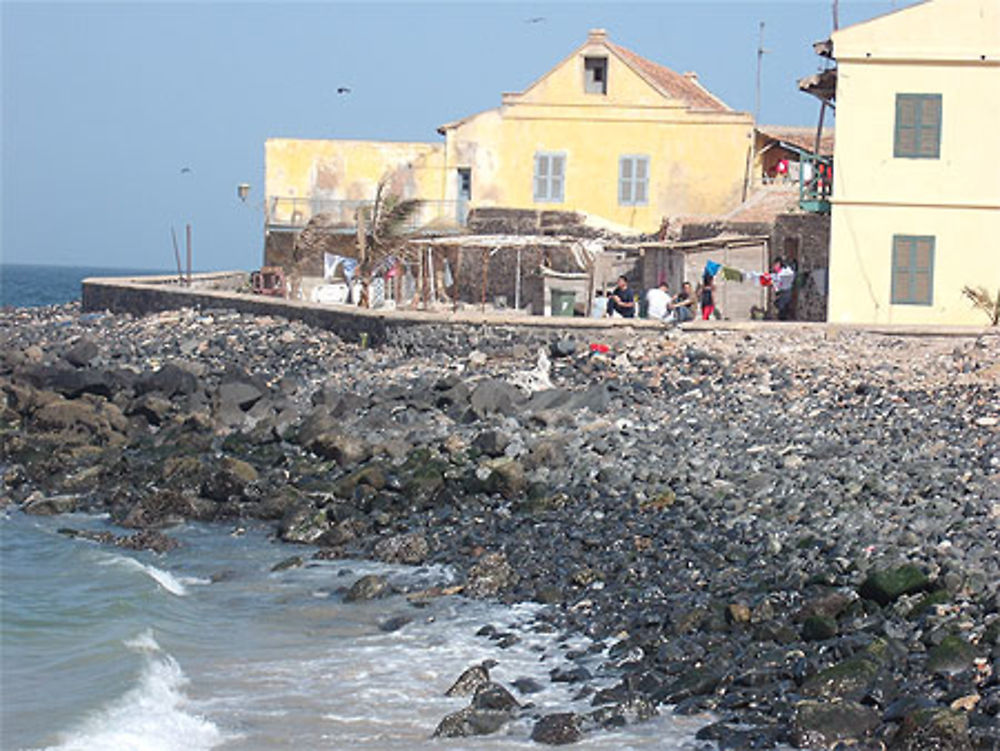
column 346, row 450
column 230, row 477
column 933, row 730
column 847, row 679
column 820, row 724
column 304, row 524
column 886, row 585
column 951, row 657
column 171, row 380
column 494, row 696
column 695, row 682
column 557, row 729
column 39, row 505
column 491, row 396
column 240, row 394
column 471, row 679
column 489, row 576
column 370, row 587
column 491, row 442
column 81, row 354
column 410, row 548
column 527, row 685
column 294, row 561
column 162, row 508
column 154, row 408
column 819, row 628
column 395, row 623
column 471, row 721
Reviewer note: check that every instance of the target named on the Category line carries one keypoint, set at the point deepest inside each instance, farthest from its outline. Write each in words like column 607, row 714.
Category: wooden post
column 189, row 254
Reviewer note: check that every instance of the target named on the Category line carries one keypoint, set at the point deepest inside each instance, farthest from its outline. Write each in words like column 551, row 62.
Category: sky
column 123, row 120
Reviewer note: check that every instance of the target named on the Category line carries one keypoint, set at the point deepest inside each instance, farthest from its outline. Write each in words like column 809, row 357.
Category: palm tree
column 383, row 227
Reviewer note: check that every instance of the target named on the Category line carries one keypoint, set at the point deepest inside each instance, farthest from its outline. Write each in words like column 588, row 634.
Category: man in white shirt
column 657, row 299
column 783, row 278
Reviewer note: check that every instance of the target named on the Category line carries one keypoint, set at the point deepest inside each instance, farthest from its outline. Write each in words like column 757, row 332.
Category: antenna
column 760, row 58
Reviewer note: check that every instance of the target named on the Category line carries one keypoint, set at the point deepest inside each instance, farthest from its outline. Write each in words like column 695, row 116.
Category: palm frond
column 982, row 300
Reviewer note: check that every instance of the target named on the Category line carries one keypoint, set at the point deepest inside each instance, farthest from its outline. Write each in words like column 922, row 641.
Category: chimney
column 597, row 36
column 691, row 76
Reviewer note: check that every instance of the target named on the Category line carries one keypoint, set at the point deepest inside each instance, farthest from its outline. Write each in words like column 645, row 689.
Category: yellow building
column 606, row 132
column 916, row 195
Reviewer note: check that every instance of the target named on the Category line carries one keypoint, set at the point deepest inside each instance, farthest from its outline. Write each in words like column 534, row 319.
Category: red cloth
column 765, row 280
column 602, row 348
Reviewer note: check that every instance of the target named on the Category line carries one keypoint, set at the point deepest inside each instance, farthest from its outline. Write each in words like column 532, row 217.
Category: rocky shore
column 795, row 530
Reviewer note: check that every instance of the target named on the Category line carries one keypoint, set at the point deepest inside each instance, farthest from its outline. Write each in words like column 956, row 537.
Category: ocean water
column 207, row 648
column 30, row 285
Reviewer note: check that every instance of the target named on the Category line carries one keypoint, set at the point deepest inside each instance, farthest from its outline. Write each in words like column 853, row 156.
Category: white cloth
column 599, row 308
column 656, row 303
column 784, row 279
column 330, row 264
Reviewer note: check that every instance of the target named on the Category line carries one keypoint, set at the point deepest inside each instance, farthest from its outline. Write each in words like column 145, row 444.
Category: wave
column 150, row 716
column 165, row 579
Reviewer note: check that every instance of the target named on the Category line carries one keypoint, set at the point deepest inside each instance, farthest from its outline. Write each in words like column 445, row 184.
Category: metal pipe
column 189, row 254
column 517, row 283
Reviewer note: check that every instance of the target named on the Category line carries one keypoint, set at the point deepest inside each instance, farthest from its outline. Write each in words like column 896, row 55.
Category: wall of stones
column 805, row 238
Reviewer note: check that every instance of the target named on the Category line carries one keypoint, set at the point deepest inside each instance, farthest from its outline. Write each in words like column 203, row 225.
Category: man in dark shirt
column 622, row 301
column 683, row 305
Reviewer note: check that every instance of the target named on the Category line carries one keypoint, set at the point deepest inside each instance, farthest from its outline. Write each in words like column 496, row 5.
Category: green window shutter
column 641, row 191
column 930, row 127
column 912, row 270
column 625, row 180
column 918, row 126
column 541, row 177
column 556, row 184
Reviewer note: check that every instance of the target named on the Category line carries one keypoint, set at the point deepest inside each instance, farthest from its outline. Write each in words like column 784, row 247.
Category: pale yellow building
column 916, row 194
column 606, row 132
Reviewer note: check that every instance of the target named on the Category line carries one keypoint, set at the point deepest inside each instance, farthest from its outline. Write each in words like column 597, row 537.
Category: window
column 595, row 75
column 633, row 180
column 912, row 270
column 918, row 126
column 550, row 170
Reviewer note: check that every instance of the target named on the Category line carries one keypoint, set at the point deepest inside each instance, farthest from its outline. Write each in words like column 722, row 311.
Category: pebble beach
column 792, row 532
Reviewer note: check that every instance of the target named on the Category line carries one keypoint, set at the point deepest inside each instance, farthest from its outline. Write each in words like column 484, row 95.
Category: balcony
column 815, row 183
column 291, row 213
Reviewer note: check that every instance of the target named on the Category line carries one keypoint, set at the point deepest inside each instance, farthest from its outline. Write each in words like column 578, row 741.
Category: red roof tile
column 674, row 85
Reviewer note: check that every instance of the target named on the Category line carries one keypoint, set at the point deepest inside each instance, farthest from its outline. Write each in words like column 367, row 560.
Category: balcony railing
column 294, row 213
column 816, row 183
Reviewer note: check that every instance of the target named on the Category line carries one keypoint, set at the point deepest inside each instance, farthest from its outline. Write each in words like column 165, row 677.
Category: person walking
column 706, row 294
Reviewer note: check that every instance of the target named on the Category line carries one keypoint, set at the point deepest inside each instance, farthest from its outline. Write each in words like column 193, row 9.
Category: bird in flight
column 536, row 19
column 185, row 170
column 343, row 90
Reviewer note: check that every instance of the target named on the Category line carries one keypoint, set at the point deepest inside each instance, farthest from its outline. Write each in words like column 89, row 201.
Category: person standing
column 782, row 279
column 622, row 300
column 706, row 293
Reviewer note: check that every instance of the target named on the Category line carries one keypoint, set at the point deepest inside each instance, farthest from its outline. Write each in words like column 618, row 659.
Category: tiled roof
column 682, row 87
column 803, row 137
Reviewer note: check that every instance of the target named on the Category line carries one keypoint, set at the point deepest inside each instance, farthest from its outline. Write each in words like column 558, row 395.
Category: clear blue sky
column 104, row 105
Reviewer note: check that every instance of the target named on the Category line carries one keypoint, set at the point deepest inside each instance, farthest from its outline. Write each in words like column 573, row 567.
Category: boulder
column 885, row 585
column 96, row 421
column 346, row 450
column 369, row 587
column 229, row 478
column 471, row 721
column 933, row 730
column 822, row 724
column 951, row 657
column 410, row 548
column 82, row 353
column 163, row 508
column 496, row 697
column 472, row 679
column 490, row 575
column 557, row 729
column 491, row 396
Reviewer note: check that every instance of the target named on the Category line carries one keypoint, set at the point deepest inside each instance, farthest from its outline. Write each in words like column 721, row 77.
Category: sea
column 25, row 285
column 210, row 646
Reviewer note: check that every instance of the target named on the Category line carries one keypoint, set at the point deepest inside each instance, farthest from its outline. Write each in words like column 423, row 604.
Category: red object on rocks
column 602, row 348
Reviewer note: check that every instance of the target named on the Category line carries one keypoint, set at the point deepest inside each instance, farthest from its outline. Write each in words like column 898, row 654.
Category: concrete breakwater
column 153, row 294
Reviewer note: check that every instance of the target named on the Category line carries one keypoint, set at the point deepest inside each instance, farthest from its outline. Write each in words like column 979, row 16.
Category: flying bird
column 536, row 19
column 185, row 170
column 343, row 90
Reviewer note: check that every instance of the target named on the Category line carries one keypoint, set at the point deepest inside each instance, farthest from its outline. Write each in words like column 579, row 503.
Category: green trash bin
column 563, row 303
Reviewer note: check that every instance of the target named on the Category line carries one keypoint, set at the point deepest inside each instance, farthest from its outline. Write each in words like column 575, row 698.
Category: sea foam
column 165, row 579
column 150, row 716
